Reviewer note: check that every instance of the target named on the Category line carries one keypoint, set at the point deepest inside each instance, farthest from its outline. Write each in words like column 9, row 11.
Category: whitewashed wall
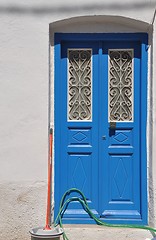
column 24, row 96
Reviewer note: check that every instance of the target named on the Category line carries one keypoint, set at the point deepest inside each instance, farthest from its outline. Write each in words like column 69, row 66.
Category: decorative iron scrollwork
column 79, row 84
column 120, row 85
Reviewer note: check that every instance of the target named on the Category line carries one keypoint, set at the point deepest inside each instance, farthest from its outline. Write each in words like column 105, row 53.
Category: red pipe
column 49, row 190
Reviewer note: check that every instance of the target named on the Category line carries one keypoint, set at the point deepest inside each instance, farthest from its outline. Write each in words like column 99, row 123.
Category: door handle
column 104, row 137
column 112, row 125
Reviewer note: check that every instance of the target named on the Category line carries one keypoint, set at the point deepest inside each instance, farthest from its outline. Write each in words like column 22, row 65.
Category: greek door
column 100, row 125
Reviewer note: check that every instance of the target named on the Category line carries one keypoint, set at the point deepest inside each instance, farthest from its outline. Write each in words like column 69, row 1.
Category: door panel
column 119, row 122
column 79, row 129
column 98, row 129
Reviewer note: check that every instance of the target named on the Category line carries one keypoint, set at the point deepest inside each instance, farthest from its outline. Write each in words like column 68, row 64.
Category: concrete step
column 94, row 232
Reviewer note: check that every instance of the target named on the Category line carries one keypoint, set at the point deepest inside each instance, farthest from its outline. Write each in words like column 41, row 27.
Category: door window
column 120, row 85
column 79, row 84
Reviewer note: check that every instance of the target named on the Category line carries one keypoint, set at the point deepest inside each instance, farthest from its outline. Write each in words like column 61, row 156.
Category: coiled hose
column 64, row 204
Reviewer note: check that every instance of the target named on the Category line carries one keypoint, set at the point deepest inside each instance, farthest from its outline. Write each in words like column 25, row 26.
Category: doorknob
column 104, row 137
column 112, row 125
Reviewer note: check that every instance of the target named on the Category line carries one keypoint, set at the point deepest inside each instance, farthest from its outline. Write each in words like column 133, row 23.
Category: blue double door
column 100, row 128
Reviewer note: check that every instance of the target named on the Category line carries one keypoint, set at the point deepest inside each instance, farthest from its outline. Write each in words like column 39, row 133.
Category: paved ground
column 94, row 232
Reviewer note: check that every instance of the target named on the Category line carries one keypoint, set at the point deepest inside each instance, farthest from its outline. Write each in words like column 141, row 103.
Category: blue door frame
column 83, row 157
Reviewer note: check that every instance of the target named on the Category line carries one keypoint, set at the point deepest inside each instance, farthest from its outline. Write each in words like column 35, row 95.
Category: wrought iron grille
column 79, row 84
column 120, row 85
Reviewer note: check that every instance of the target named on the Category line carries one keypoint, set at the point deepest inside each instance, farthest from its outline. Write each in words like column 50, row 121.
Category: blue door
column 100, row 125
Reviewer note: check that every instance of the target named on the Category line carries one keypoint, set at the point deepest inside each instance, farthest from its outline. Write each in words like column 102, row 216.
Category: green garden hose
column 64, row 204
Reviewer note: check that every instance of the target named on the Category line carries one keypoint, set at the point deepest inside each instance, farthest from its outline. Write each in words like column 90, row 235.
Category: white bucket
column 39, row 234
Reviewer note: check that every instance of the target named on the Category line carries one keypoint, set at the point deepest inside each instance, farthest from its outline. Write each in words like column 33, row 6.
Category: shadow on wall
column 42, row 10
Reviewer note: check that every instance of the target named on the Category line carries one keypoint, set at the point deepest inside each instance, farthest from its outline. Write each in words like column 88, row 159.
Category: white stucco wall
column 24, row 96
